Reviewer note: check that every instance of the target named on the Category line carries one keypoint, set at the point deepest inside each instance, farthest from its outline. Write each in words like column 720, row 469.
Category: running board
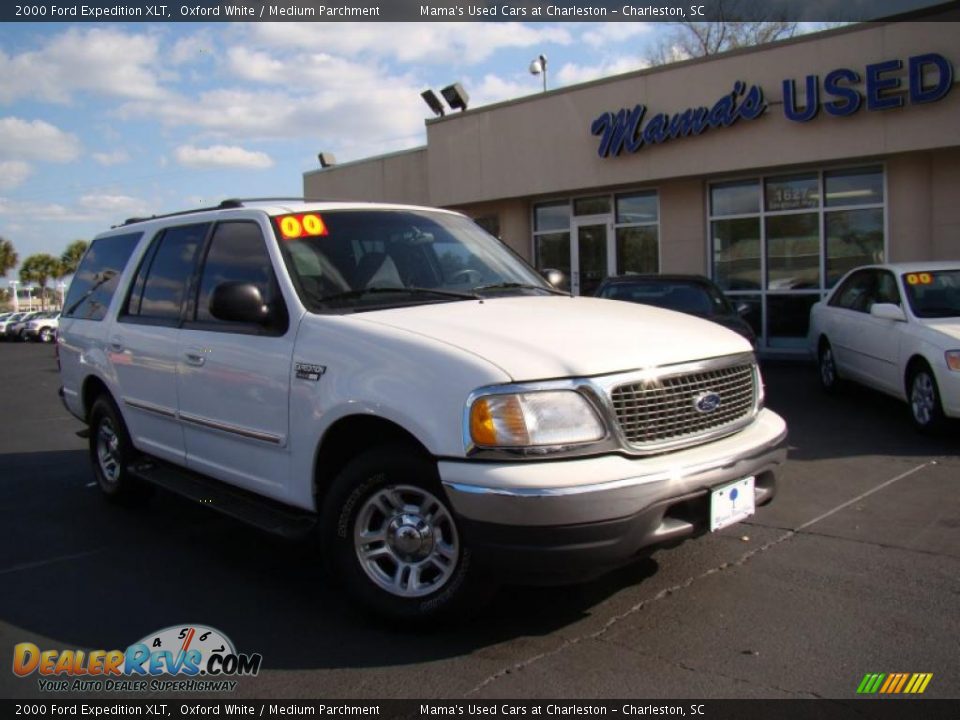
column 267, row 515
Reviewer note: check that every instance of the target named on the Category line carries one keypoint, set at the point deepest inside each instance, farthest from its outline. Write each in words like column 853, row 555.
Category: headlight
column 515, row 420
column 953, row 359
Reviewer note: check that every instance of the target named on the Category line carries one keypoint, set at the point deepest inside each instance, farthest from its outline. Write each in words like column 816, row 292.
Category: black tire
column 45, row 335
column 417, row 536
column 111, row 453
column 827, row 368
column 923, row 399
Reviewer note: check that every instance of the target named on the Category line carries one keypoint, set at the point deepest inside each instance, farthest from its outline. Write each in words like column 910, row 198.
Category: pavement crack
column 690, row 668
column 666, row 592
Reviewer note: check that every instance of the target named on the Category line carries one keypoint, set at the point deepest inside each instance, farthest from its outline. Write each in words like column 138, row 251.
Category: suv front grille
column 663, row 410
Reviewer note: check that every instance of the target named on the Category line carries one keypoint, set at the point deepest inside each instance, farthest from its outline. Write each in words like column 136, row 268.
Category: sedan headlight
column 953, row 360
column 533, row 419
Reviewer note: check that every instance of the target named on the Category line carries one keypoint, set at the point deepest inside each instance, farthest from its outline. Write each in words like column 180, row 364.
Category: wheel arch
column 92, row 388
column 348, row 437
column 916, row 360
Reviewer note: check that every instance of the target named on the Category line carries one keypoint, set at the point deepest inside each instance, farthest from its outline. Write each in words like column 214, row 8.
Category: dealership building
column 773, row 169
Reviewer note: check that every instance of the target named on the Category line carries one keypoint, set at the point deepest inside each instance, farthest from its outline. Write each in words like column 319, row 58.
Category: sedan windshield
column 688, row 297
column 933, row 294
column 371, row 259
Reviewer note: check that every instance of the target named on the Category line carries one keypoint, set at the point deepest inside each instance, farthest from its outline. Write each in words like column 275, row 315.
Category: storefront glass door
column 591, row 254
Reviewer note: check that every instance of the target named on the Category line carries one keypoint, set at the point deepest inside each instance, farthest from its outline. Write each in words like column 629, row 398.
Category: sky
column 103, row 121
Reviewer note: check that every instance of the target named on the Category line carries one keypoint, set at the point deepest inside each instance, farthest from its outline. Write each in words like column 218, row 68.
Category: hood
column 539, row 338
column 950, row 327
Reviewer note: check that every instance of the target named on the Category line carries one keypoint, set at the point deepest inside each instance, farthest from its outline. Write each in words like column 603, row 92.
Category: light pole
column 539, row 67
column 16, row 296
column 29, row 298
column 61, row 286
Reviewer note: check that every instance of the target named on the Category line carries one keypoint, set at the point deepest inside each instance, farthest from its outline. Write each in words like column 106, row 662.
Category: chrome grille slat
column 661, row 410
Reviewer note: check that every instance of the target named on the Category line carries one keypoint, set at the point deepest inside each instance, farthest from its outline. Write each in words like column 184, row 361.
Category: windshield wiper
column 515, row 285
column 349, row 294
column 107, row 276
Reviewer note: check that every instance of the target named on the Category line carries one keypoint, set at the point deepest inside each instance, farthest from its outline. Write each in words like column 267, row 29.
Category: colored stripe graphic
column 894, row 683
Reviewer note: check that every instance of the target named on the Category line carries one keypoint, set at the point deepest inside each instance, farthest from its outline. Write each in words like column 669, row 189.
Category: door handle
column 194, row 357
column 115, row 345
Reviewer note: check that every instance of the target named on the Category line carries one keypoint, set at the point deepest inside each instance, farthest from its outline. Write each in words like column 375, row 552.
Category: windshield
column 371, row 259
column 693, row 298
column 933, row 294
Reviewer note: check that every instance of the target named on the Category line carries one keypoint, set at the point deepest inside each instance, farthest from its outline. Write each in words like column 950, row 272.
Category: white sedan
column 896, row 328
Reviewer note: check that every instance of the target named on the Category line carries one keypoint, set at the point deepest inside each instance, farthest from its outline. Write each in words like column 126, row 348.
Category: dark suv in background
column 690, row 294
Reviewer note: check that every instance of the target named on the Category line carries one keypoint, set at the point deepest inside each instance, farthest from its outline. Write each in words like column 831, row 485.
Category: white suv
column 398, row 381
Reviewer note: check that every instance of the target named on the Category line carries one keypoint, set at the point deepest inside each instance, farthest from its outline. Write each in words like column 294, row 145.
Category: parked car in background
column 691, row 294
column 42, row 328
column 896, row 328
column 17, row 330
column 10, row 328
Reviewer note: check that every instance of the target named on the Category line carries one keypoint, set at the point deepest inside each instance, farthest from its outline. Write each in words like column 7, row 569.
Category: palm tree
column 39, row 269
column 71, row 257
column 8, row 257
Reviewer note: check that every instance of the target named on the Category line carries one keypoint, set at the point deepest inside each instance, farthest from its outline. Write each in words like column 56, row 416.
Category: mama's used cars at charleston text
column 396, row 379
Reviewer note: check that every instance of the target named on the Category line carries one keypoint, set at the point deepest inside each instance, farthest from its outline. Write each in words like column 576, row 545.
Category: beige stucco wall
column 503, row 158
column 923, row 205
column 399, row 177
column 543, row 145
column 682, row 227
column 945, row 190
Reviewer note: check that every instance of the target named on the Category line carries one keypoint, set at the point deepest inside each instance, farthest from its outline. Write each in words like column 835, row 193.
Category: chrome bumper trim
column 609, row 500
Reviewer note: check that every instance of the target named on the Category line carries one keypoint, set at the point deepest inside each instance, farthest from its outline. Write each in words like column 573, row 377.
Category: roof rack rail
column 224, row 205
column 239, row 202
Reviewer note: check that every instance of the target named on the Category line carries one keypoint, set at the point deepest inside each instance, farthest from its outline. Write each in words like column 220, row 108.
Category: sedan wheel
column 925, row 409
column 828, row 368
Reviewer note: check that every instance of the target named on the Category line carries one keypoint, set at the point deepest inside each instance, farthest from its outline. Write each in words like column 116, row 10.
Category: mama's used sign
column 929, row 78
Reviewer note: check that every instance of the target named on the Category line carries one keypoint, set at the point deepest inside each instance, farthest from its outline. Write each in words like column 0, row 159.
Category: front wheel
column 391, row 537
column 46, row 335
column 926, row 412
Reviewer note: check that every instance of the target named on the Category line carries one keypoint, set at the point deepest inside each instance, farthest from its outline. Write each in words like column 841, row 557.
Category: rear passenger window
column 161, row 282
column 237, row 254
column 96, row 279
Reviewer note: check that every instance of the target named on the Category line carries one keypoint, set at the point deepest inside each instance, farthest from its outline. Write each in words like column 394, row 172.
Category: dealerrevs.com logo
column 202, row 658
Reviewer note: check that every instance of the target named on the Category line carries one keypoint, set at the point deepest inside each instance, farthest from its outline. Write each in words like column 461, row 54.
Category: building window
column 590, row 238
column 490, row 223
column 637, row 225
column 779, row 243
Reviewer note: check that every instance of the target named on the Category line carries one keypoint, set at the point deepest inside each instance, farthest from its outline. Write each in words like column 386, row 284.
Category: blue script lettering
column 621, row 131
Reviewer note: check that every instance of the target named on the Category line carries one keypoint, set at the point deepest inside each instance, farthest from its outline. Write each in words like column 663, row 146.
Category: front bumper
column 579, row 517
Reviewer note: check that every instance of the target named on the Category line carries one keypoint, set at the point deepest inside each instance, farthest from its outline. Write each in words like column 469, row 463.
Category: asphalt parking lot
column 855, row 568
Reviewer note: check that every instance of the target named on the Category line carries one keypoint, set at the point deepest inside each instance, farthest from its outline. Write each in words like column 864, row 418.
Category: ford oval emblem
column 706, row 402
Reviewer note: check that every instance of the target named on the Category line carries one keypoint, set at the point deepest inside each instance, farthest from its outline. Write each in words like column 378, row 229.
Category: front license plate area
column 731, row 503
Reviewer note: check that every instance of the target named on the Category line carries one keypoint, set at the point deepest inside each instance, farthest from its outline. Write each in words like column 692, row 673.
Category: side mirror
column 888, row 311
column 239, row 302
column 555, row 277
column 743, row 309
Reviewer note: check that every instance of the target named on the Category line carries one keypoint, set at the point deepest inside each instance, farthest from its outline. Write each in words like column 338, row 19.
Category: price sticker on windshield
column 919, row 279
column 297, row 226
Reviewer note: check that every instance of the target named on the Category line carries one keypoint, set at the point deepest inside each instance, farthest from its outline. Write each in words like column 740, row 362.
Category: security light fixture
column 326, row 159
column 539, row 67
column 431, row 99
column 455, row 96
